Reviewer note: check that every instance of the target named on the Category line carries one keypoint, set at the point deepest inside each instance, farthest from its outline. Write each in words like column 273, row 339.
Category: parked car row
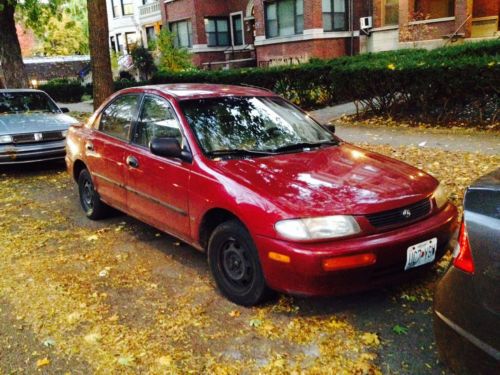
column 276, row 200
column 32, row 127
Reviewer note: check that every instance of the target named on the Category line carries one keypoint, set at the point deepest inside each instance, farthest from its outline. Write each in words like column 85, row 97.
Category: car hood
column 34, row 122
column 336, row 180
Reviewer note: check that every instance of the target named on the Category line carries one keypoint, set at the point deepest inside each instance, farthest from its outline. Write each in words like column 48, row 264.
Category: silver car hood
column 20, row 123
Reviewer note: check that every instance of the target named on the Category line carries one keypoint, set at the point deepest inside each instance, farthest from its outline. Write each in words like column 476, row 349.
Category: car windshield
column 22, row 102
column 252, row 125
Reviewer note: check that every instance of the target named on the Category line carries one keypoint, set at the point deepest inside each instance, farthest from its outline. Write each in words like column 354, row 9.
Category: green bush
column 438, row 85
column 64, row 90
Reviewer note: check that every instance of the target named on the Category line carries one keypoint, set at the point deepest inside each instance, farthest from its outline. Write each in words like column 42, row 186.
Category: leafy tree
column 143, row 61
column 171, row 57
column 64, row 36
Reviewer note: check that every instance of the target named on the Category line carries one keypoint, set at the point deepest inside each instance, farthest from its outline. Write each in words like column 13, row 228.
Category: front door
column 105, row 150
column 158, row 186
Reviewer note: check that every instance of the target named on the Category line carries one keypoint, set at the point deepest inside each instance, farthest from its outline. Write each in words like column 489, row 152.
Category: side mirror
column 169, row 147
column 330, row 127
column 64, row 109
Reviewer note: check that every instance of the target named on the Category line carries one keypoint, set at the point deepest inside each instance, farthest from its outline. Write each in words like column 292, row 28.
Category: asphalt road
column 400, row 316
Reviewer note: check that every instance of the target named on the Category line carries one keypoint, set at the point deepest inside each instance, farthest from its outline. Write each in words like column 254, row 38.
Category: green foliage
column 438, row 85
column 60, row 25
column 64, row 90
column 143, row 61
column 171, row 58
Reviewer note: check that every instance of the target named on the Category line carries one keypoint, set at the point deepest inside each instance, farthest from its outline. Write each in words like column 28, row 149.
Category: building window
column 112, row 43
column 150, row 35
column 119, row 43
column 217, row 30
column 391, row 12
column 237, row 25
column 183, row 33
column 115, row 7
column 284, row 17
column 130, row 41
column 335, row 15
column 434, row 8
column 127, row 7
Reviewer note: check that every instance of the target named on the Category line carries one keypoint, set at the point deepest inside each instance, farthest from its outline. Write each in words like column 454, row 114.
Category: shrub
column 170, row 57
column 143, row 61
column 64, row 90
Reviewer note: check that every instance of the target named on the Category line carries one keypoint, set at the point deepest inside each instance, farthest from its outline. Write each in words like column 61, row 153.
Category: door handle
column 132, row 161
column 89, row 146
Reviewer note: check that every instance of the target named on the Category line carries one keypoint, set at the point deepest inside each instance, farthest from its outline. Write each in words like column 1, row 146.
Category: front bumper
column 30, row 153
column 304, row 274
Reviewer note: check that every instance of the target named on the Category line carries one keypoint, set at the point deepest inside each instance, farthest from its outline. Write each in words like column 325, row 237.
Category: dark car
column 32, row 127
column 276, row 200
column 467, row 300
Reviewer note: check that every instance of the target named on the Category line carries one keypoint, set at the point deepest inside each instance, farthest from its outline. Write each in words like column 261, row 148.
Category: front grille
column 30, row 137
column 400, row 216
column 23, row 138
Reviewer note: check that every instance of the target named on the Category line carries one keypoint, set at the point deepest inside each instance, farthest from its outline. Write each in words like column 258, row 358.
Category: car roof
column 20, row 90
column 183, row 91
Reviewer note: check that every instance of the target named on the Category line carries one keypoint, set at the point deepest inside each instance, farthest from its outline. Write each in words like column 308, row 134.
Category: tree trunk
column 11, row 59
column 102, row 77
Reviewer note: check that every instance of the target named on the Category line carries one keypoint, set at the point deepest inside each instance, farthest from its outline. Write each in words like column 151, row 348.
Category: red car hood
column 332, row 180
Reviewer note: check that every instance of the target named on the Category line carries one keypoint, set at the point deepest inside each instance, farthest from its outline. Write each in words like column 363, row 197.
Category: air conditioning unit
column 365, row 23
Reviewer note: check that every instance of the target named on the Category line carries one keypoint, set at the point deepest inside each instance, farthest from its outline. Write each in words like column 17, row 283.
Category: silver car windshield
column 23, row 102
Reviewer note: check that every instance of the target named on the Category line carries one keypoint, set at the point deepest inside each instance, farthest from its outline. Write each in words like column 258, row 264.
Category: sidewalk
column 86, row 107
column 487, row 143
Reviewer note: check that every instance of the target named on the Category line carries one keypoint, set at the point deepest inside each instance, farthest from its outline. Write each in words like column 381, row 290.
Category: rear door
column 158, row 186
column 105, row 150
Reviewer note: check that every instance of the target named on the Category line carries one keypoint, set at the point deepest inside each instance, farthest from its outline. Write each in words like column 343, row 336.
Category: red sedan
column 276, row 200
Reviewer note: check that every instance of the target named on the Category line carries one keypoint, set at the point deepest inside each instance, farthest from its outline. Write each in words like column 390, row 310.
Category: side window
column 117, row 118
column 156, row 120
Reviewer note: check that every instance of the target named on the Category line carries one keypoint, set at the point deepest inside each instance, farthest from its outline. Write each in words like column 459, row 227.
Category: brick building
column 228, row 33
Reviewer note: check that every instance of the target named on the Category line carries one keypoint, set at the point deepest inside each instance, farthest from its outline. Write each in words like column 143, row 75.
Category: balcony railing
column 149, row 9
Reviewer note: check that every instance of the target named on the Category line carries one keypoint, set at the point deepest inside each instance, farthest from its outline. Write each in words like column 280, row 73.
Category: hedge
column 63, row 90
column 455, row 82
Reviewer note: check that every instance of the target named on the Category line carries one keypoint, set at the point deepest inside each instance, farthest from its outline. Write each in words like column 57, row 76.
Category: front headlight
column 318, row 228
column 440, row 196
column 5, row 139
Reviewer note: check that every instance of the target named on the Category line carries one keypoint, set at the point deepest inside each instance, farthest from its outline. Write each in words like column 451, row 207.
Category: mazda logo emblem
column 406, row 213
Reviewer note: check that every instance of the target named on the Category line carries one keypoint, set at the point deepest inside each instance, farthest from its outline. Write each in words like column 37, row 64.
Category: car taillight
column 464, row 259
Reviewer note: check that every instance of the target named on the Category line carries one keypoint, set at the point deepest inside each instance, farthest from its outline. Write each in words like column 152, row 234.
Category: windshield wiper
column 239, row 152
column 303, row 145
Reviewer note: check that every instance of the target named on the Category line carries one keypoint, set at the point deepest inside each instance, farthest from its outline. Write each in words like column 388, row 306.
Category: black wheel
column 90, row 201
column 235, row 264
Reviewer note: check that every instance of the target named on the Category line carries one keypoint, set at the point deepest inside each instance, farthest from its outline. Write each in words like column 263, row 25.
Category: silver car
column 32, row 127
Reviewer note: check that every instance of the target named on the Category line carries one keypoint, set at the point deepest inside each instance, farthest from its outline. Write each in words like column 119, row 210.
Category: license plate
column 421, row 253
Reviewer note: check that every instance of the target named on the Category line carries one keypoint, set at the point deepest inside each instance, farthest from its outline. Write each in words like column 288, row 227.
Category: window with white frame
column 127, row 7
column 183, row 33
column 237, row 27
column 335, row 15
column 284, row 17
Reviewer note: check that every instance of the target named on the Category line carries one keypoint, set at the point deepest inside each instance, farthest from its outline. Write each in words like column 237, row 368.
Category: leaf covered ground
column 116, row 296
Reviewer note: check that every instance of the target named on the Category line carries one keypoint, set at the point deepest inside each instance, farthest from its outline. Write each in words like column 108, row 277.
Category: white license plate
column 421, row 253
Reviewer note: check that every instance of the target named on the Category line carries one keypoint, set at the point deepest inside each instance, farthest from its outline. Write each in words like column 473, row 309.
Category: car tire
column 235, row 265
column 90, row 201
